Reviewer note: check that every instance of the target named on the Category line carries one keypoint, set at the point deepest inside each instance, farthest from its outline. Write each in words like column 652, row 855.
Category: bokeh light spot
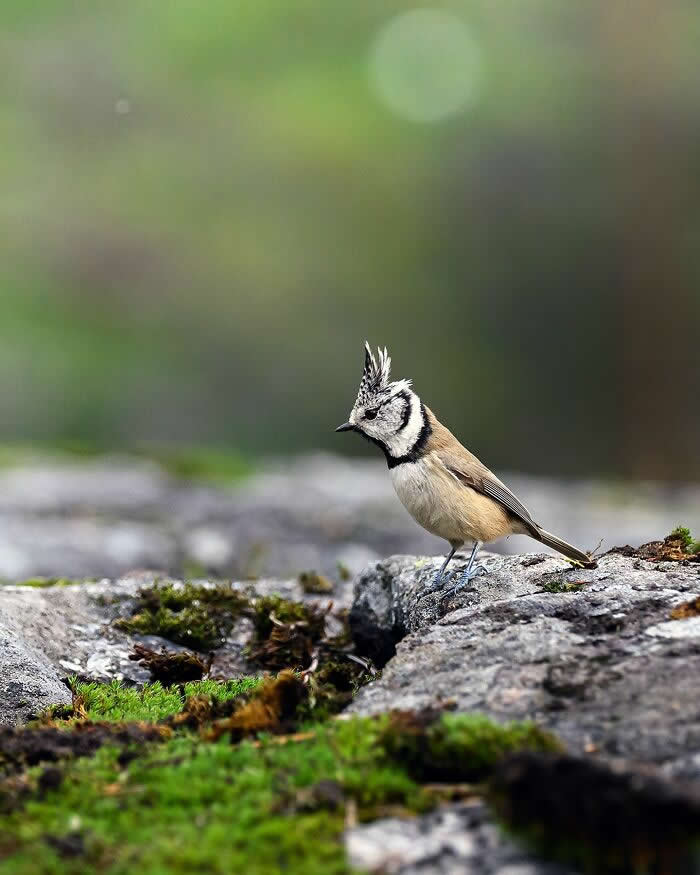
column 426, row 66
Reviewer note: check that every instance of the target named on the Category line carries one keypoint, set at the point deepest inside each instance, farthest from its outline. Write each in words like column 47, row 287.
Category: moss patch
column 154, row 702
column 168, row 667
column 194, row 804
column 333, row 686
column 192, row 614
column 563, row 586
column 453, row 748
column 679, row 546
column 312, row 582
column 685, row 540
column 285, row 633
column 274, row 707
column 183, row 807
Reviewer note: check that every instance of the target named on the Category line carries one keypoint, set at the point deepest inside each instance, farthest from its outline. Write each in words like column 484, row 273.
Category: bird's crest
column 375, row 385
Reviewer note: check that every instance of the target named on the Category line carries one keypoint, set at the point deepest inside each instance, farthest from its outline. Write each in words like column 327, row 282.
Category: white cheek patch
column 402, row 442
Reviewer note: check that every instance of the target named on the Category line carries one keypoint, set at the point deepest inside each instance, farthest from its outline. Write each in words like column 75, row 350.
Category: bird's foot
column 469, row 575
column 441, row 581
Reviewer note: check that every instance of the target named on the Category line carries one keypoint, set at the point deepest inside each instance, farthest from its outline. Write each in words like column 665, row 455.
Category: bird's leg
column 470, row 572
column 436, row 583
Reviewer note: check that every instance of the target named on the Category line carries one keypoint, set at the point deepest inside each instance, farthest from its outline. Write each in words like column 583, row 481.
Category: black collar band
column 412, row 455
column 418, row 448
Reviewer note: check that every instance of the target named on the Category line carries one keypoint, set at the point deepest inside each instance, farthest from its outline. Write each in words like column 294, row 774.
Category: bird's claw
column 477, row 571
column 438, row 584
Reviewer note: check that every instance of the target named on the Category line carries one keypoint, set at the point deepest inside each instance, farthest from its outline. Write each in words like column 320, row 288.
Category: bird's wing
column 466, row 468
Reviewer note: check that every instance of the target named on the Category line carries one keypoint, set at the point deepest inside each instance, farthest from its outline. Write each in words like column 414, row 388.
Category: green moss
column 562, row 586
column 222, row 691
column 189, row 805
column 682, row 533
column 285, row 633
column 270, row 611
column 183, row 807
column 458, row 747
column 171, row 668
column 201, row 617
column 312, row 582
column 333, row 686
column 115, row 702
column 191, row 614
column 688, row 544
column 190, row 626
column 472, row 744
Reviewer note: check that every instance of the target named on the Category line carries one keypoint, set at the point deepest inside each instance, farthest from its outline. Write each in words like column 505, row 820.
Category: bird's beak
column 346, row 426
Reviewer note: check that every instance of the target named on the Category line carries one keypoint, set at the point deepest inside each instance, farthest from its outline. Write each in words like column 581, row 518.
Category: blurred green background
column 206, row 207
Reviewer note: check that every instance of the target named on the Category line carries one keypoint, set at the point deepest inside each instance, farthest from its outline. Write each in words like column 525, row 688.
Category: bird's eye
column 370, row 414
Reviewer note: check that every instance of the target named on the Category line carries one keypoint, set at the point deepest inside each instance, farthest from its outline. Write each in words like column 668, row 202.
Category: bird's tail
column 568, row 550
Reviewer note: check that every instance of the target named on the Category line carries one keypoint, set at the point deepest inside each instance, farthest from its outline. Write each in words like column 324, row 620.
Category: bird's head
column 388, row 413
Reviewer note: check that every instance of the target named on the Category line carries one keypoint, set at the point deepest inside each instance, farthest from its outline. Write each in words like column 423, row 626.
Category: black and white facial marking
column 390, row 415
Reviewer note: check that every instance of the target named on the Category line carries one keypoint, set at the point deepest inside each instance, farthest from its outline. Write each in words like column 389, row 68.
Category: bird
column 444, row 486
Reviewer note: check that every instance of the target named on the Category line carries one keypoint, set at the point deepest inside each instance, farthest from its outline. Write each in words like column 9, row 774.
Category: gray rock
column 689, row 628
column 455, row 840
column 72, row 626
column 590, row 663
column 601, row 665
column 391, row 596
column 28, row 681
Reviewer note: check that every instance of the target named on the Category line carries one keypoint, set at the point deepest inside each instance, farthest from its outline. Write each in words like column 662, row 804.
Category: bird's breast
column 422, row 491
column 412, row 483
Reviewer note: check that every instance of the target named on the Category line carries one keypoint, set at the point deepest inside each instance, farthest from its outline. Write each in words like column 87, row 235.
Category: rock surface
column 28, row 680
column 601, row 664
